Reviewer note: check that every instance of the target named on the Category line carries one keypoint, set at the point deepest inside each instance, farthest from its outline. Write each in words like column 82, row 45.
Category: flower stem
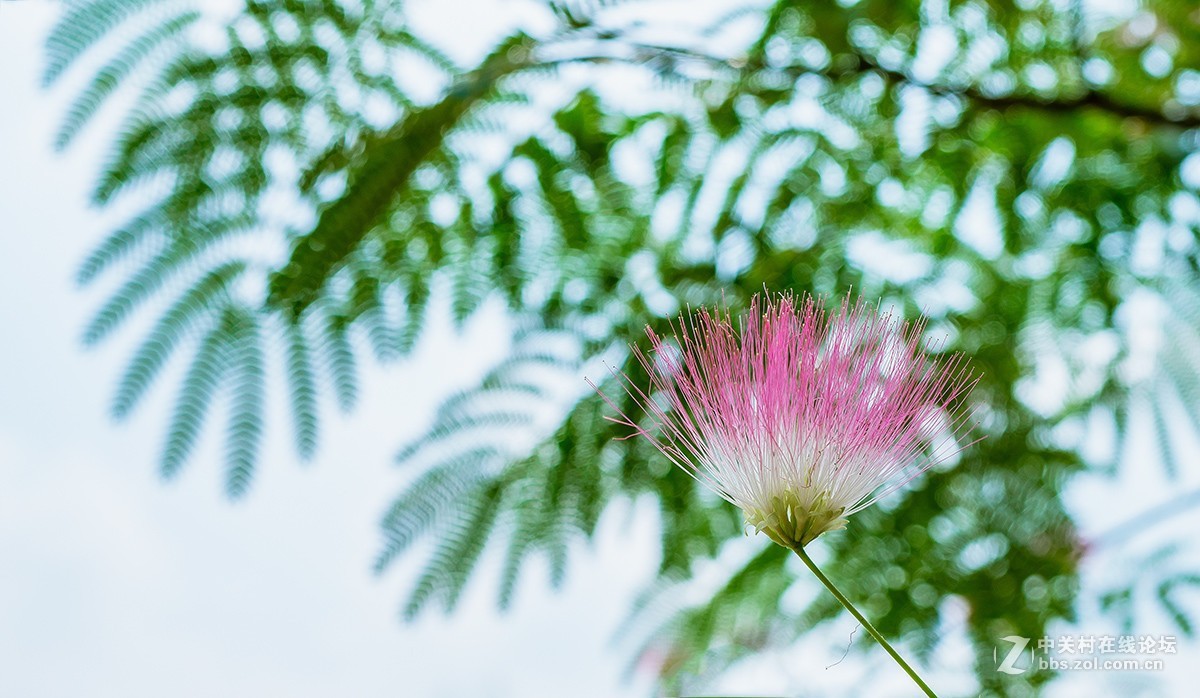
column 799, row 550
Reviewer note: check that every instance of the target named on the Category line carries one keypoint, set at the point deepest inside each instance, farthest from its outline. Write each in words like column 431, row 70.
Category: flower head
column 801, row 417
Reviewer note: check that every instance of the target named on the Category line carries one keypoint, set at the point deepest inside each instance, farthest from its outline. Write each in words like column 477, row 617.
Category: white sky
column 113, row 583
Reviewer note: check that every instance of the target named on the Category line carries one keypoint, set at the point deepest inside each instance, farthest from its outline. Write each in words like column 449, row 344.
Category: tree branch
column 1090, row 98
column 670, row 58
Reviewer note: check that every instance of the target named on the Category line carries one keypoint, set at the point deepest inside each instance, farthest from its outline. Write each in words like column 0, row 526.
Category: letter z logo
column 1009, row 665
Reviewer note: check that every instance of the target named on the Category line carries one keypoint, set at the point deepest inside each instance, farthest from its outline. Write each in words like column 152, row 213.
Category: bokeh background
column 340, row 268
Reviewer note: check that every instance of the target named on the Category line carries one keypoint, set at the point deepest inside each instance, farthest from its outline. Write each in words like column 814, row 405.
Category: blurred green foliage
column 1017, row 171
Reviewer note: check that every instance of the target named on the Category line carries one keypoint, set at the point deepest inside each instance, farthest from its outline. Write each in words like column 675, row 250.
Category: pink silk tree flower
column 800, row 416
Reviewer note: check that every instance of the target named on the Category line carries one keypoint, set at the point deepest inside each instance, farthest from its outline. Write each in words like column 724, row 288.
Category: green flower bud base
column 793, row 521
